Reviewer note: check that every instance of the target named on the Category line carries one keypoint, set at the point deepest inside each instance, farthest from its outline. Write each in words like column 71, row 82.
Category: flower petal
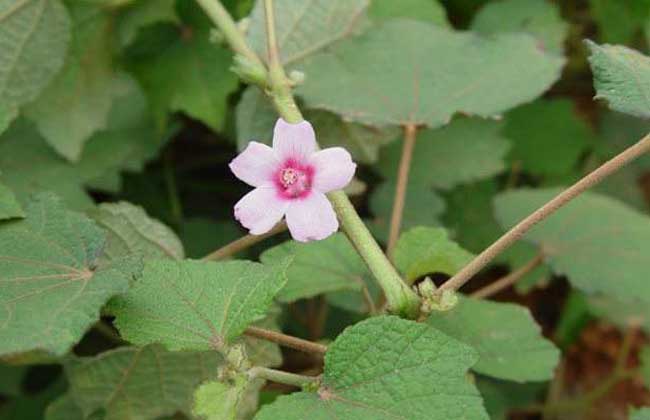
column 311, row 218
column 256, row 165
column 294, row 141
column 333, row 169
column 261, row 209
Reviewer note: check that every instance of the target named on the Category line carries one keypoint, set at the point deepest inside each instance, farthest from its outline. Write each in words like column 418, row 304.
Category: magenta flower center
column 294, row 180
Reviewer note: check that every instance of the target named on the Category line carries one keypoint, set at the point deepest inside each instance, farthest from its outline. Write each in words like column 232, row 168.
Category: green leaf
column 548, row 137
column 52, row 288
column 624, row 313
column 11, row 379
column 256, row 118
column 619, row 20
column 597, row 242
column 35, row 35
column 140, row 383
column 130, row 230
column 77, row 102
column 508, row 340
column 538, row 18
column 426, row 10
column 9, row 206
column 30, row 165
column 410, row 72
column 144, row 13
column 388, row 368
column 304, row 28
column 640, row 414
column 470, row 216
column 220, row 401
column 501, row 396
column 423, row 207
column 202, row 236
column 206, row 81
column 466, row 150
column 424, row 250
column 618, row 132
column 7, row 115
column 622, row 77
column 65, row 408
column 195, row 305
column 330, row 265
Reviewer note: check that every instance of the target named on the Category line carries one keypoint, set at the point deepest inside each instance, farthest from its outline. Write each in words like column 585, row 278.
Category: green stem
column 220, row 16
column 400, row 298
column 281, row 377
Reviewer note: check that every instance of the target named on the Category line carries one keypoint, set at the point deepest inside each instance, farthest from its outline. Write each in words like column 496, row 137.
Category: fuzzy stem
column 514, row 234
column 286, row 340
column 509, row 280
column 410, row 132
column 281, row 377
column 220, row 16
column 243, row 243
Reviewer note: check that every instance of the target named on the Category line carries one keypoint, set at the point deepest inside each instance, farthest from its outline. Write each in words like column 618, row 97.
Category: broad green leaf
column 548, row 137
column 196, row 305
column 201, row 236
column 306, row 27
column 35, row 35
column 7, row 115
column 624, row 313
column 388, row 368
column 11, row 379
column 621, row 77
column 32, row 406
column 65, row 408
column 640, row 414
column 410, row 72
column 9, row 206
column 29, row 165
column 330, row 265
column 426, row 10
column 423, row 207
column 424, row 250
column 140, row 383
column 77, row 102
column 470, row 216
column 143, row 13
column 466, row 150
column 220, row 401
column 597, row 242
column 509, row 342
column 130, row 230
column 256, row 118
column 619, row 20
column 206, row 81
column 500, row 397
column 52, row 287
column 617, row 132
column 538, row 18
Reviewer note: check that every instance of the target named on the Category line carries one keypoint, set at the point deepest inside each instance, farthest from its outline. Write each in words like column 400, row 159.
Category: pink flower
column 291, row 179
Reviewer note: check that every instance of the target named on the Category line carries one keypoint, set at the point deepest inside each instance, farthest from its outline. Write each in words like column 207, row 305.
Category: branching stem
column 281, row 377
column 410, row 132
column 507, row 281
column 243, row 243
column 286, row 340
column 514, row 234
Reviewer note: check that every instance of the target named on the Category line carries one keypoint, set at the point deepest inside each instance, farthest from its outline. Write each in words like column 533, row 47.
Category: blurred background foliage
column 134, row 100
